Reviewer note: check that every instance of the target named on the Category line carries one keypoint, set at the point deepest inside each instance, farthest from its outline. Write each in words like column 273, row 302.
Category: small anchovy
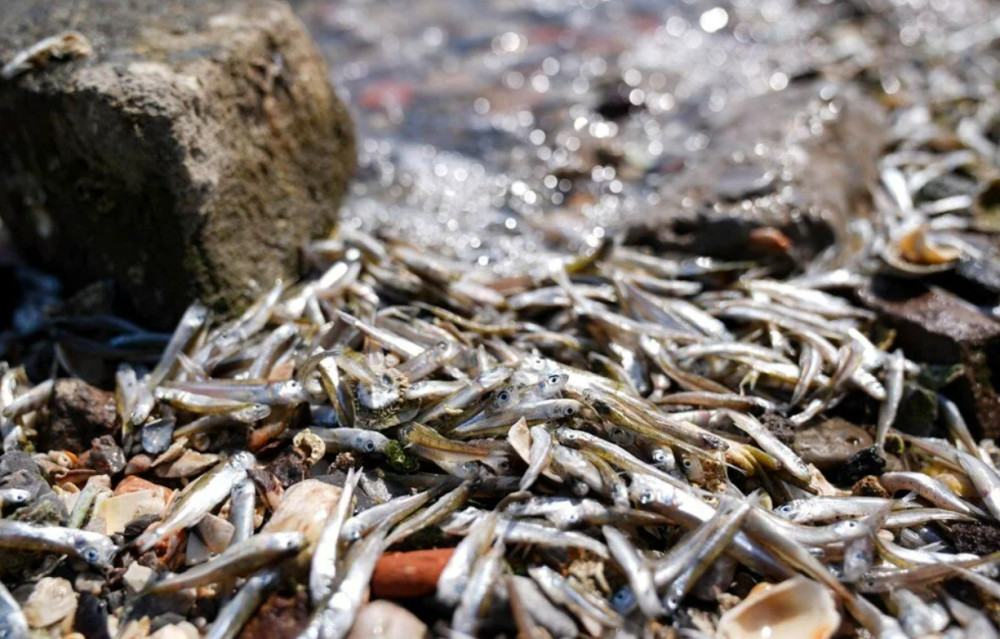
column 235, row 613
column 323, row 565
column 819, row 508
column 516, row 531
column 238, row 560
column 393, row 511
column 242, row 504
column 126, row 398
column 198, row 498
column 985, row 479
column 444, row 506
column 790, row 462
column 558, row 589
column 534, row 412
column 930, row 489
column 477, row 593
column 85, row 501
column 721, row 535
column 433, row 358
column 280, row 393
column 335, row 617
column 94, row 548
column 894, row 372
column 29, row 401
column 534, row 615
column 190, row 325
column 477, row 388
column 13, row 624
column 540, row 456
column 200, row 404
column 357, row 440
column 453, row 579
column 386, row 339
column 13, row 497
column 636, row 570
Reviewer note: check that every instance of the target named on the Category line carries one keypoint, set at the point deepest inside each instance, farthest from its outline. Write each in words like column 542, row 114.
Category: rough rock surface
column 938, row 327
column 77, row 413
column 189, row 154
column 789, row 181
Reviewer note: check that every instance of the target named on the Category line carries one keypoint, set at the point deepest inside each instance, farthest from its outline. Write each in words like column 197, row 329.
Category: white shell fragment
column 52, row 600
column 118, row 511
column 797, row 608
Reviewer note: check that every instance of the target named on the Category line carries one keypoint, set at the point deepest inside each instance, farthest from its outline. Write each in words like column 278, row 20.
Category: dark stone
column 289, row 468
column 77, row 414
column 937, row 327
column 861, row 464
column 279, row 618
column 136, row 527
column 975, row 537
column 91, row 619
column 918, row 411
column 104, row 456
column 188, row 155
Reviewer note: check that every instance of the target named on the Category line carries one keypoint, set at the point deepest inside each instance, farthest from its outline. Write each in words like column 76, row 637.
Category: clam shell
column 797, row 608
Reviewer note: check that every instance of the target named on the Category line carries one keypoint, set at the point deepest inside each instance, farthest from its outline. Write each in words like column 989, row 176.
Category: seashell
column 215, row 532
column 310, row 446
column 136, row 576
column 794, row 609
column 52, row 600
column 190, row 463
column 386, row 620
column 156, row 436
column 182, row 630
column 118, row 511
column 918, row 252
column 305, row 507
column 196, row 551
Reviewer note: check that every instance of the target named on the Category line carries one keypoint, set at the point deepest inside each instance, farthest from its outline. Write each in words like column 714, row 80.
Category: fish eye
column 91, row 556
column 687, row 464
column 369, row 446
column 646, row 497
column 503, row 396
column 570, row 410
column 386, row 379
column 554, row 379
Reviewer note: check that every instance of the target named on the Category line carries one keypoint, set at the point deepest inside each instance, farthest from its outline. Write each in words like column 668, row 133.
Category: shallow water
column 497, row 131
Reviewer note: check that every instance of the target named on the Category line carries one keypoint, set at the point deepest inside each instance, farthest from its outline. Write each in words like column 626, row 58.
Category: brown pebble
column 831, row 443
column 975, row 537
column 869, row 487
column 400, row 575
column 767, row 239
column 138, row 464
column 279, row 618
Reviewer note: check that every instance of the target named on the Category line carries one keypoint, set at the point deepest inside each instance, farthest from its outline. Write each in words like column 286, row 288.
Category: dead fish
column 238, row 560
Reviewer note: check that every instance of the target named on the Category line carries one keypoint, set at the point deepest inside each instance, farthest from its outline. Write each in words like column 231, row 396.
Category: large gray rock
column 188, row 155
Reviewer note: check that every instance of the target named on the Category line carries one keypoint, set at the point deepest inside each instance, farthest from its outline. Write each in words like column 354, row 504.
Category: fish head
column 97, row 551
column 623, row 600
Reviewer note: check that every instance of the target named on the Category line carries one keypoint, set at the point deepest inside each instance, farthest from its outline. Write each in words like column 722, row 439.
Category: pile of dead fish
column 618, row 444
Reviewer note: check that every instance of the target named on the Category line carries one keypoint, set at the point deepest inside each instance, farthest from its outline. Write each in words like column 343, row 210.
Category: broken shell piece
column 793, row 609
column 52, row 600
column 215, row 532
column 304, row 508
column 62, row 46
column 136, row 577
column 310, row 446
column 117, row 512
column 920, row 252
column 190, row 463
